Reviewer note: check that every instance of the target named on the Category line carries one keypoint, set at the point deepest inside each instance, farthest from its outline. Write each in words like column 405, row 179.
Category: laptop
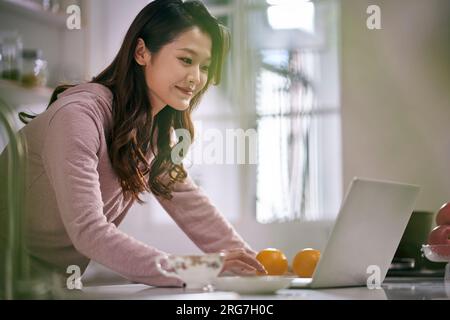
column 365, row 236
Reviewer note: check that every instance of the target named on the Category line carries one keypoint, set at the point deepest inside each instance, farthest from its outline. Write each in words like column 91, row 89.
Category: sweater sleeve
column 200, row 220
column 70, row 160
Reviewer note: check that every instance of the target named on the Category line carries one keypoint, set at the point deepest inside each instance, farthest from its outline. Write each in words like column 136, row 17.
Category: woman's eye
column 186, row 60
column 205, row 68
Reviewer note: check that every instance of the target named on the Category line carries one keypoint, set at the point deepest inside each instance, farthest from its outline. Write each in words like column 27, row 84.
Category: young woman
column 99, row 145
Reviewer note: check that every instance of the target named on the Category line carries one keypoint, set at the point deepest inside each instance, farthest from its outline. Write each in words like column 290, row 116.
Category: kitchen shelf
column 16, row 95
column 33, row 11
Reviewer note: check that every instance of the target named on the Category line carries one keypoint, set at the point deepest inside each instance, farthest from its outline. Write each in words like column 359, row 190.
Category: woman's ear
column 141, row 54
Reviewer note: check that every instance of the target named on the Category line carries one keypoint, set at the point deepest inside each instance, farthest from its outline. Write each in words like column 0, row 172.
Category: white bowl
column 196, row 271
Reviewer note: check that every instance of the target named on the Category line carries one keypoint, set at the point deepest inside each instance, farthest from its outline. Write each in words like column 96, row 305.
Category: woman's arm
column 70, row 160
column 191, row 209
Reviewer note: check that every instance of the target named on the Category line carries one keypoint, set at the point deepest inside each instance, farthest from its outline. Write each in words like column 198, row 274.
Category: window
column 298, row 175
column 290, row 125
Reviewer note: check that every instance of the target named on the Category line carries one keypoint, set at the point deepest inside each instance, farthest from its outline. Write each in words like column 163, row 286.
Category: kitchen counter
column 392, row 289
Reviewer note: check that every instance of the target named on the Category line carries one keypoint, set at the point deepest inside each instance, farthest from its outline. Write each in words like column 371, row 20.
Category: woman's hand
column 242, row 262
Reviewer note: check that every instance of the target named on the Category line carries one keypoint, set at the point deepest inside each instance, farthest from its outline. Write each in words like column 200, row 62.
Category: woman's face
column 178, row 71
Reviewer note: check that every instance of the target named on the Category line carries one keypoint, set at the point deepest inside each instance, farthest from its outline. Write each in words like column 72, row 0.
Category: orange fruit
column 305, row 262
column 274, row 261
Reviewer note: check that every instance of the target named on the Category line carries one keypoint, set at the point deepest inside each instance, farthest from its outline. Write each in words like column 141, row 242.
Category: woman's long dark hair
column 131, row 138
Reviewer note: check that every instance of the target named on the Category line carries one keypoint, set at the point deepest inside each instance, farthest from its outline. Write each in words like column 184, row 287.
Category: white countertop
column 392, row 288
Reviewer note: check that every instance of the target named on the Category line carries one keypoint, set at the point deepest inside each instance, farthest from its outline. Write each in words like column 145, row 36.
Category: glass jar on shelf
column 34, row 71
column 11, row 52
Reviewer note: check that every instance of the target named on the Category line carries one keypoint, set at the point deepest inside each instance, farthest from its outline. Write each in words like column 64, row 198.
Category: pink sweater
column 74, row 202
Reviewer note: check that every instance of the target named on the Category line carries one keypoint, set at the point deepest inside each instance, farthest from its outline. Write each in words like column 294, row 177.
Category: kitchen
column 373, row 103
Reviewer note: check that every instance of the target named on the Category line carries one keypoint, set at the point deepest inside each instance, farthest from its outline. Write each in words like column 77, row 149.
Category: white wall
column 396, row 97
column 108, row 21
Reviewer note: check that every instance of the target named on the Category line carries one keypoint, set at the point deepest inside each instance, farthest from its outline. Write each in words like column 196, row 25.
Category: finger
column 234, row 251
column 238, row 254
column 251, row 252
column 240, row 268
column 242, row 250
column 248, row 259
column 255, row 263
